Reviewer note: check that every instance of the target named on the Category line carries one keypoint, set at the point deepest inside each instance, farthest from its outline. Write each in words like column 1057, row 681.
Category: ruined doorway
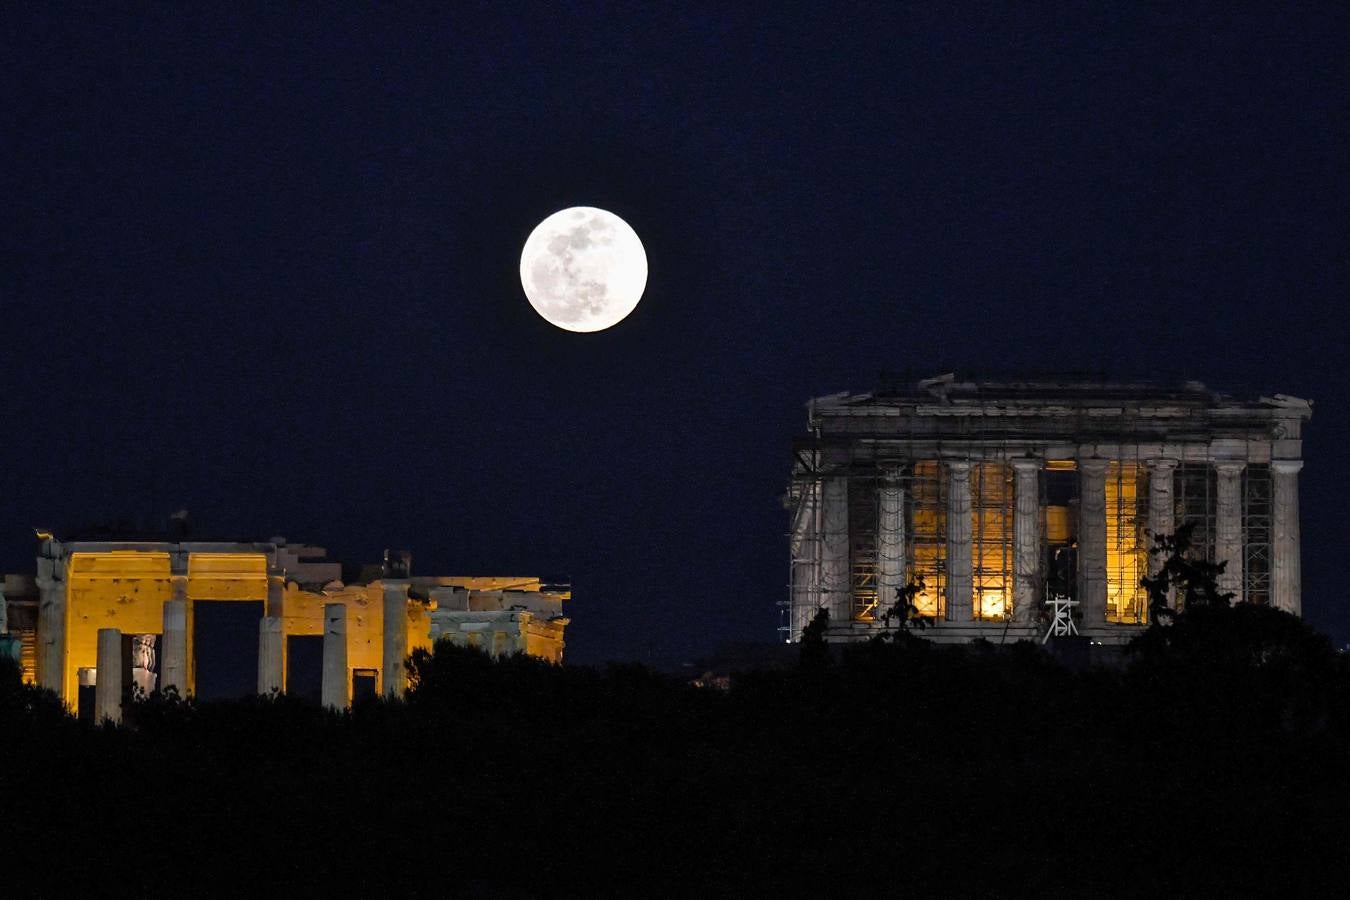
column 304, row 666
column 225, row 647
column 84, row 702
column 363, row 685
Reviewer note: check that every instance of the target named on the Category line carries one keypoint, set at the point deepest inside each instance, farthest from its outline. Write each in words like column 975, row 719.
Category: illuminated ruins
column 1002, row 496
column 101, row 615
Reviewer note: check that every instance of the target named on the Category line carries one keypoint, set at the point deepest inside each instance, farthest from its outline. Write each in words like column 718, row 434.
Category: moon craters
column 583, row 269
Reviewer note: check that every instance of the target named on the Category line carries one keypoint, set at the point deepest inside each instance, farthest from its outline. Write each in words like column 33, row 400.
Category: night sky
column 261, row 262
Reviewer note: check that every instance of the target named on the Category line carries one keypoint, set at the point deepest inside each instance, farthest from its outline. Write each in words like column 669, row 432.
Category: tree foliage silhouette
column 902, row 617
column 815, row 652
column 1194, row 580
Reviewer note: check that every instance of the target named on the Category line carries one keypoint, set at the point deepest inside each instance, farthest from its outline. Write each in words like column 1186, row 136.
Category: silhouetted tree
column 903, row 615
column 1235, row 663
column 815, row 653
column 1195, row 580
column 26, row 705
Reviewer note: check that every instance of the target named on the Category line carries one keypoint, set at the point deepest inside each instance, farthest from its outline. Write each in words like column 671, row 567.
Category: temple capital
column 1093, row 465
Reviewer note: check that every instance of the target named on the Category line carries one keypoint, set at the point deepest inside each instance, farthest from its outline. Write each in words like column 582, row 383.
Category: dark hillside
column 1217, row 760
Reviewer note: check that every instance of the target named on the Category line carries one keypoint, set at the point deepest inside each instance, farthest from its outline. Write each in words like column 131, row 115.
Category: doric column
column 271, row 655
column 1026, row 539
column 334, row 687
column 890, row 542
column 173, row 661
column 1285, row 566
column 835, row 583
column 108, row 688
column 1228, row 526
column 394, row 677
column 1161, row 506
column 960, row 580
column 805, row 561
column 1092, row 540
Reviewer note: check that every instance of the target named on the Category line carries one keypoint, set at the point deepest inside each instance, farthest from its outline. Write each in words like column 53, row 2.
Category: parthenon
column 997, row 495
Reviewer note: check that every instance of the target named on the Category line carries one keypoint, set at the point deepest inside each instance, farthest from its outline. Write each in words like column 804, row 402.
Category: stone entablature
column 984, row 488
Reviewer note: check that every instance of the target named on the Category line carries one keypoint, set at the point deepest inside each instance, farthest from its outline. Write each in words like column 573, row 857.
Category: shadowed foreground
column 1219, row 759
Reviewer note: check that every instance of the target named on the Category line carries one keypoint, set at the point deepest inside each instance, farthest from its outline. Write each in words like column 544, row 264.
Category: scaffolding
column 1257, row 534
column 1194, row 485
column 991, row 502
column 917, row 551
column 872, row 459
column 927, row 552
column 803, row 501
column 864, row 545
column 1126, row 541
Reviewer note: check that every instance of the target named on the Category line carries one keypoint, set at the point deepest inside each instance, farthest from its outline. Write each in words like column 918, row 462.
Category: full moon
column 583, row 269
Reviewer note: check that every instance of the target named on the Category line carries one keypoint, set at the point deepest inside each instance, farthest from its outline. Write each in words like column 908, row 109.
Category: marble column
column 890, row 543
column 960, row 576
column 173, row 657
column 802, row 546
column 52, row 624
column 1026, row 540
column 334, row 688
column 1285, row 565
column 1092, row 540
column 108, row 688
column 276, row 594
column 836, row 593
column 1228, row 526
column 271, row 655
column 394, row 677
column 1161, row 506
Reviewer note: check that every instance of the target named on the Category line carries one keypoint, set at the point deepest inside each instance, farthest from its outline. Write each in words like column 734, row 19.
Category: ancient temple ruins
column 999, row 497
column 217, row 619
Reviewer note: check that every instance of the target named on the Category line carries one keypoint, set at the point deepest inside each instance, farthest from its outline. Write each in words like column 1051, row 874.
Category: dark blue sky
column 261, row 262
